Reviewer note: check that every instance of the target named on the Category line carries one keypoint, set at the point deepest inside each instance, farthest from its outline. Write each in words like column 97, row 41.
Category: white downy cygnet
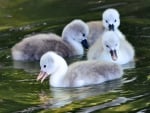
column 110, row 22
column 74, row 38
column 111, row 48
column 78, row 74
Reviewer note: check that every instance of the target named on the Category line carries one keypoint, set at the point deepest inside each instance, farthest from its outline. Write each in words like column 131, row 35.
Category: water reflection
column 31, row 67
column 129, row 65
column 62, row 96
column 116, row 102
column 17, row 20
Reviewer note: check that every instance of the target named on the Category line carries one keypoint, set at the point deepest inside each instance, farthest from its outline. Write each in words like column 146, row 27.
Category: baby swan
column 77, row 74
column 110, row 47
column 110, row 22
column 74, row 38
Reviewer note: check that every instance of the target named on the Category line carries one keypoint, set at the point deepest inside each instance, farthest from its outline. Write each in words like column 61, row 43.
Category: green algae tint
column 19, row 90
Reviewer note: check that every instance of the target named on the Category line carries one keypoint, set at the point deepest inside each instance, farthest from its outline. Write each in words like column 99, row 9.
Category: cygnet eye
column 44, row 66
column 106, row 21
column 115, row 20
column 107, row 46
column 83, row 34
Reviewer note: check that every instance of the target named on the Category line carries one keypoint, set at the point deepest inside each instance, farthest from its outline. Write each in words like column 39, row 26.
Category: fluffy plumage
column 110, row 22
column 96, row 29
column 111, row 48
column 77, row 74
column 73, row 39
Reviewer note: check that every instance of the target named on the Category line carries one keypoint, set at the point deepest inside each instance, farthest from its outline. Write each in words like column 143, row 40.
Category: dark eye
column 44, row 66
column 83, row 35
column 115, row 20
column 107, row 46
column 106, row 21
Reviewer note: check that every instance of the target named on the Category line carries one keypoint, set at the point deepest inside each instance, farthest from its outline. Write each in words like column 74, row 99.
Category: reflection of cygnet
column 74, row 37
column 59, row 97
column 110, row 22
column 31, row 67
column 111, row 48
column 78, row 74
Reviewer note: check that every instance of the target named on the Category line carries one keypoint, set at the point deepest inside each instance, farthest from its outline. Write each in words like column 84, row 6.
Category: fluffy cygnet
column 77, row 74
column 110, row 22
column 74, row 37
column 111, row 48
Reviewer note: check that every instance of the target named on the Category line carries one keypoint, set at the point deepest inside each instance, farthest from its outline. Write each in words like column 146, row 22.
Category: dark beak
column 85, row 44
column 111, row 27
column 113, row 55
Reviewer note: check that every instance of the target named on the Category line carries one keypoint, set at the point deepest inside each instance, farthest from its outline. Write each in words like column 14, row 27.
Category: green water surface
column 21, row 93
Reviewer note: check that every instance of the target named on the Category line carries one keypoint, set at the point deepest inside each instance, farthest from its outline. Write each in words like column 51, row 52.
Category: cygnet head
column 78, row 31
column 48, row 65
column 111, row 44
column 111, row 19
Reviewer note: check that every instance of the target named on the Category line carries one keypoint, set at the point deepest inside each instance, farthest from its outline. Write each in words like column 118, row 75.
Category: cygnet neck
column 56, row 79
column 76, row 46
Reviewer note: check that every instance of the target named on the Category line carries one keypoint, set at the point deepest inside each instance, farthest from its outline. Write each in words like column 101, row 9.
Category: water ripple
column 115, row 102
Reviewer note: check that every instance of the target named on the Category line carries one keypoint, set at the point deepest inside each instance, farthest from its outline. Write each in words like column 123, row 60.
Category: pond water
column 19, row 90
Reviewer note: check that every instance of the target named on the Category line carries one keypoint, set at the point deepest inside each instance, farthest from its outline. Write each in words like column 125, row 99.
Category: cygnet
column 110, row 22
column 78, row 74
column 109, row 47
column 74, row 37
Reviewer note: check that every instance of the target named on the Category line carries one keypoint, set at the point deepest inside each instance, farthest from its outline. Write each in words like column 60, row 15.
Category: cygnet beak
column 42, row 76
column 111, row 27
column 113, row 55
column 85, row 44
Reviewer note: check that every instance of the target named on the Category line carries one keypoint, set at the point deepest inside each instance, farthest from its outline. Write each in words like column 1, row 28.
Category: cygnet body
column 78, row 74
column 110, row 22
column 111, row 48
column 74, row 38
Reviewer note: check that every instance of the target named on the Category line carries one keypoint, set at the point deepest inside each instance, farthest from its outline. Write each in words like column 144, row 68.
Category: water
column 19, row 90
